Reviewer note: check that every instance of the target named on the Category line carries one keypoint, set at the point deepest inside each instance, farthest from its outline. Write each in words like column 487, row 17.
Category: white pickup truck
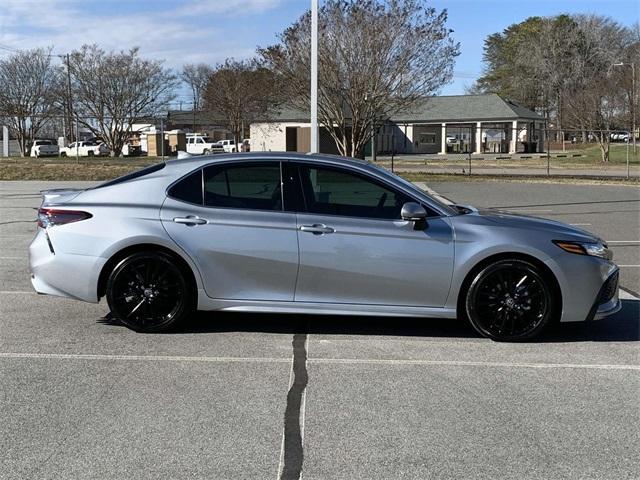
column 44, row 148
column 228, row 145
column 84, row 149
column 199, row 145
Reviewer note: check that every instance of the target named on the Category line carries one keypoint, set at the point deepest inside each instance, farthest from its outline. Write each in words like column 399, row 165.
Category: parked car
column 129, row 150
column 200, row 145
column 620, row 137
column 44, row 148
column 85, row 149
column 229, row 146
column 308, row 234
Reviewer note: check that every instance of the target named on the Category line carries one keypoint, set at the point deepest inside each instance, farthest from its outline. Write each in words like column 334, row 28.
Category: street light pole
column 314, row 77
column 632, row 103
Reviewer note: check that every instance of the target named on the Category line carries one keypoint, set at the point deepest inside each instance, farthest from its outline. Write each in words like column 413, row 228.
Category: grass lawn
column 106, row 168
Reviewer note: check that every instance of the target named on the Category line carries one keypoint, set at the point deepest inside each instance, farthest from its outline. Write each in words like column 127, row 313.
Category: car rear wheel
column 63, row 154
column 148, row 292
column 510, row 300
column 91, row 153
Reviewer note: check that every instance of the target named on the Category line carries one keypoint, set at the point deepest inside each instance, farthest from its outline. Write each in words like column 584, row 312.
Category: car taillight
column 50, row 217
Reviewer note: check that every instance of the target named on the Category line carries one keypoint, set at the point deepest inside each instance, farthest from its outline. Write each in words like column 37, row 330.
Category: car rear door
column 230, row 219
column 355, row 248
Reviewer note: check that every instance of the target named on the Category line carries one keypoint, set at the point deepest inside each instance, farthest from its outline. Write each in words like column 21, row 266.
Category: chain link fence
column 464, row 149
column 496, row 150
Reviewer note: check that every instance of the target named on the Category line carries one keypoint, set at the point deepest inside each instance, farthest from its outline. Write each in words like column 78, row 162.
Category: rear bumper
column 63, row 274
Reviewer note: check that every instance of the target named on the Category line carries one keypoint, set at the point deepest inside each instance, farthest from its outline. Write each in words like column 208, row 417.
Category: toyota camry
column 311, row 234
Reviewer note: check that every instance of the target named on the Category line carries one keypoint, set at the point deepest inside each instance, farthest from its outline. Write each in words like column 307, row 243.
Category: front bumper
column 608, row 302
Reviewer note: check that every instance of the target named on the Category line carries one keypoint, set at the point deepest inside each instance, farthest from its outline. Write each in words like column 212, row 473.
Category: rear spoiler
column 57, row 195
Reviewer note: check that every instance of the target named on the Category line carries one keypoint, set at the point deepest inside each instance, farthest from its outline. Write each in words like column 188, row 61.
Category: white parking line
column 19, row 292
column 622, row 241
column 456, row 363
column 143, row 358
column 366, row 361
column 580, row 224
column 521, row 210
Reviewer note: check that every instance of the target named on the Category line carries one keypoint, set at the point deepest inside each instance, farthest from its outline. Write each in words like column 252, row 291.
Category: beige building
column 449, row 124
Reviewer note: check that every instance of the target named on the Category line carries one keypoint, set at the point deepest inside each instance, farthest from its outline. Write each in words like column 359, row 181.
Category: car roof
column 200, row 160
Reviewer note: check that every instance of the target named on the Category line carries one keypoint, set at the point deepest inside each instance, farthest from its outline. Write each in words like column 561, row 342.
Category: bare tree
column 240, row 92
column 596, row 100
column 112, row 90
column 376, row 58
column 196, row 77
column 28, row 82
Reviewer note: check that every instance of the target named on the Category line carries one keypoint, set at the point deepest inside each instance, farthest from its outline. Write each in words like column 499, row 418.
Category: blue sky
column 181, row 31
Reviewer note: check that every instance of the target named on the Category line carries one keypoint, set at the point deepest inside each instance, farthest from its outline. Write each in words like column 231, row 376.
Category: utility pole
column 632, row 102
column 77, row 140
column 315, row 144
column 193, row 113
column 69, row 101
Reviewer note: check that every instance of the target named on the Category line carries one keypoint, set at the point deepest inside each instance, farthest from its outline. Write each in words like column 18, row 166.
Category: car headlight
column 593, row 249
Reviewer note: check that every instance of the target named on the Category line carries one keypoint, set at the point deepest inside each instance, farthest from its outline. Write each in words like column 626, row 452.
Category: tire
column 206, row 151
column 149, row 292
column 90, row 153
column 510, row 300
column 63, row 154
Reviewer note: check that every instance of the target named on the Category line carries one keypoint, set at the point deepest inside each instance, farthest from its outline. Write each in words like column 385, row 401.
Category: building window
column 428, row 138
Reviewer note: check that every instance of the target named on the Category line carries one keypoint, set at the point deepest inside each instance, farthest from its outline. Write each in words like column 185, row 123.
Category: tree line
column 573, row 69
column 376, row 58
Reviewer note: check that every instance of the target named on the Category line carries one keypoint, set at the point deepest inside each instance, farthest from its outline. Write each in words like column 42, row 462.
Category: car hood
column 561, row 231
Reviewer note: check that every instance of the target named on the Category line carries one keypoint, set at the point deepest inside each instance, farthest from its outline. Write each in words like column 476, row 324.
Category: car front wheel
column 148, row 292
column 510, row 300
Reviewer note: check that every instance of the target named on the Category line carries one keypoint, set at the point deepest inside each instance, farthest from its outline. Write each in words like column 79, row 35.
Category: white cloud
column 177, row 32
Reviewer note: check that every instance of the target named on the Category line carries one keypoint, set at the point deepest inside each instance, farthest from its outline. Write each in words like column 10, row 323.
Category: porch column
column 478, row 148
column 443, row 140
column 513, row 147
column 5, row 141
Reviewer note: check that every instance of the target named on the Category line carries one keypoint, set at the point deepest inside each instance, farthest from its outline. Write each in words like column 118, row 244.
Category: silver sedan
column 291, row 233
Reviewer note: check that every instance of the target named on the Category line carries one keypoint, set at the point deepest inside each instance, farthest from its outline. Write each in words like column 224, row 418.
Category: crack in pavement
column 293, row 441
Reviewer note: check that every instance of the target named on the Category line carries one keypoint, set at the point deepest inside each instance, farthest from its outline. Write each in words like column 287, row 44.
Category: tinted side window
column 253, row 186
column 189, row 189
column 336, row 192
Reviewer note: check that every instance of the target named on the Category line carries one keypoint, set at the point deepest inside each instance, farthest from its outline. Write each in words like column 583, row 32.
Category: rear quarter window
column 188, row 189
column 133, row 175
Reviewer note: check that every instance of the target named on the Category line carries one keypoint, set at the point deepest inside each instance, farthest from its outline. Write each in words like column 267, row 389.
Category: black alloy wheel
column 510, row 300
column 148, row 292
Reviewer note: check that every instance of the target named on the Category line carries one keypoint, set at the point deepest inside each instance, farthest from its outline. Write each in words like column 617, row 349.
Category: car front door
column 229, row 218
column 356, row 249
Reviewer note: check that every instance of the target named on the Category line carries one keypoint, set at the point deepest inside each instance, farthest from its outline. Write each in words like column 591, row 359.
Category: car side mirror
column 414, row 212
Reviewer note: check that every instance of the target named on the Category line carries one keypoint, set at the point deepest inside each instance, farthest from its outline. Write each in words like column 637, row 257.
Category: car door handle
column 190, row 220
column 316, row 229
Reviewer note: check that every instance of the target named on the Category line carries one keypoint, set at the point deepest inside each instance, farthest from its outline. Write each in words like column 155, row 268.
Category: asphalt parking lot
column 273, row 396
